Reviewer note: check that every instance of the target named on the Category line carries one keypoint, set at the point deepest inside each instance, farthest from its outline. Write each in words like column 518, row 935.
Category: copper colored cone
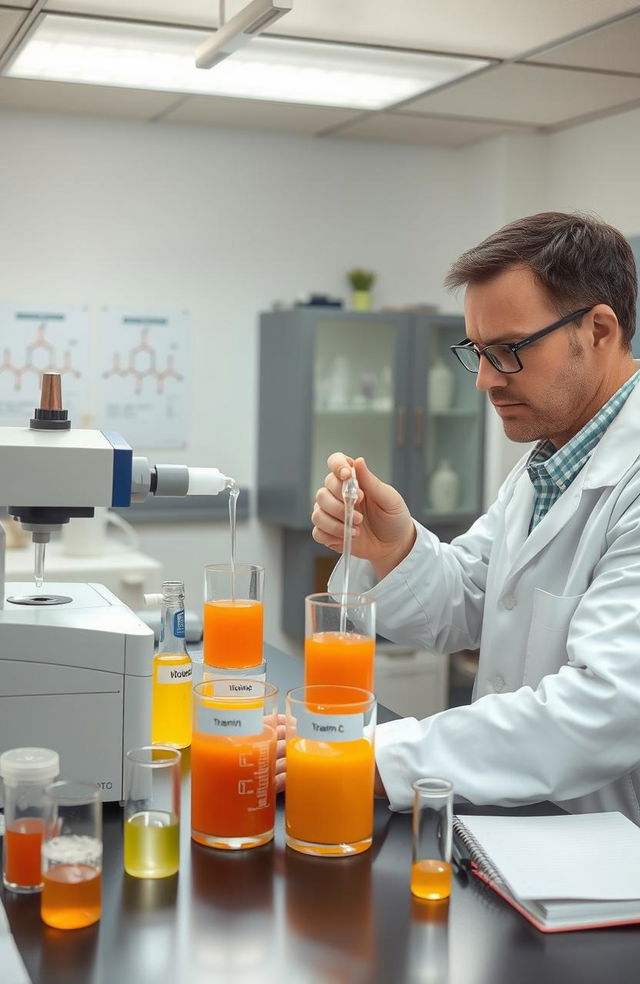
column 51, row 391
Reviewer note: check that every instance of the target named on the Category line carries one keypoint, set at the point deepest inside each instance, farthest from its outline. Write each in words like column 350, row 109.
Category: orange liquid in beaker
column 329, row 795
column 431, row 879
column 232, row 785
column 71, row 896
column 341, row 658
column 233, row 633
column 23, row 845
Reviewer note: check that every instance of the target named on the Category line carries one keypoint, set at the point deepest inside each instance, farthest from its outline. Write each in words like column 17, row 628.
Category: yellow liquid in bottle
column 171, row 713
column 431, row 879
column 151, row 844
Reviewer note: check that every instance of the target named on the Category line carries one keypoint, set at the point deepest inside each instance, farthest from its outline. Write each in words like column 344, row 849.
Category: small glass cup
column 340, row 636
column 152, row 811
column 72, row 855
column 330, row 770
column 432, row 838
column 233, row 615
column 233, row 763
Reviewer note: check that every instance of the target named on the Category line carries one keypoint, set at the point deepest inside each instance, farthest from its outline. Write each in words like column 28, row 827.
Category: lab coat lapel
column 549, row 526
column 518, row 516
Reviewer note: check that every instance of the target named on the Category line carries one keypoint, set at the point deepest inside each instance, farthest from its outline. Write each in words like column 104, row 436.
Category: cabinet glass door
column 359, row 378
column 449, row 428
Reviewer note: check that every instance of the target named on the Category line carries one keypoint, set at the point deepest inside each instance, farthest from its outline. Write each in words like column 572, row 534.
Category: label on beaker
column 227, row 721
column 239, row 688
column 175, row 674
column 330, row 727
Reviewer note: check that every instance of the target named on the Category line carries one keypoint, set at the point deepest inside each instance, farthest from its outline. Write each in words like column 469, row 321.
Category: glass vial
column 172, row 673
column 26, row 773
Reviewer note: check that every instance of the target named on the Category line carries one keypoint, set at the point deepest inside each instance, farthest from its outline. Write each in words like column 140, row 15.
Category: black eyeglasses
column 503, row 356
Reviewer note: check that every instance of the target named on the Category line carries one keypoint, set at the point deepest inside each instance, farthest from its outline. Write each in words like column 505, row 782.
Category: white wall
column 223, row 222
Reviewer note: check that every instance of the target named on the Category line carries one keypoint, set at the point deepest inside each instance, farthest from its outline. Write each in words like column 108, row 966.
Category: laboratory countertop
column 270, row 916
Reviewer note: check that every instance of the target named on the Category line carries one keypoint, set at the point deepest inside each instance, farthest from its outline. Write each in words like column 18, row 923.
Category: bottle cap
column 29, row 765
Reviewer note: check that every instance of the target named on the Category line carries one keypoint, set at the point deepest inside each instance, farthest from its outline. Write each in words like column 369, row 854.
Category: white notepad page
column 13, row 970
column 587, row 856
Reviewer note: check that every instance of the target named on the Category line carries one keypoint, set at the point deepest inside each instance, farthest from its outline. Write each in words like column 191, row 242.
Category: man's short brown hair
column 578, row 259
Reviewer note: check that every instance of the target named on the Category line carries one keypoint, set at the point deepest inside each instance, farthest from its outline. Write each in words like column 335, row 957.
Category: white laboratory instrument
column 75, row 662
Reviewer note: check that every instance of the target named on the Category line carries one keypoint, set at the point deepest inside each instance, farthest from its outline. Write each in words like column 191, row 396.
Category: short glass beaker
column 432, row 838
column 72, row 855
column 152, row 811
column 233, row 763
column 233, row 615
column 339, row 643
column 330, row 770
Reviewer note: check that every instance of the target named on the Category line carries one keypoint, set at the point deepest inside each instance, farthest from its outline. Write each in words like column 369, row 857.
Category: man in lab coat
column 547, row 583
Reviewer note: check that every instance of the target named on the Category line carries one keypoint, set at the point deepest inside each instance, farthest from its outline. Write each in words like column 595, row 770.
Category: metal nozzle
column 51, row 391
column 50, row 415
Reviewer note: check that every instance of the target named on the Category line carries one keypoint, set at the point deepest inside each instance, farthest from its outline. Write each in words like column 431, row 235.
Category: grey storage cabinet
column 359, row 382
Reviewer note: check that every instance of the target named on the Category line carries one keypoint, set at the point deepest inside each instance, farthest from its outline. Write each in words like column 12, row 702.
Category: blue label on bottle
column 178, row 624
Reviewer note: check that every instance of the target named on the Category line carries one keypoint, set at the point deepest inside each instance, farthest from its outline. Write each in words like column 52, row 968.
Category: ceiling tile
column 64, row 97
column 435, row 132
column 528, row 94
column 257, row 113
column 615, row 48
column 495, row 28
column 25, row 4
column 10, row 21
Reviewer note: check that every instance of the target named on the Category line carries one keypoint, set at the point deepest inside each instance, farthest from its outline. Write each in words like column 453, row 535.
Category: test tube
column 432, row 838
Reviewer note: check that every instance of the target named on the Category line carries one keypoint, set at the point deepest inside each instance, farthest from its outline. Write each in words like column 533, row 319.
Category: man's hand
column 383, row 531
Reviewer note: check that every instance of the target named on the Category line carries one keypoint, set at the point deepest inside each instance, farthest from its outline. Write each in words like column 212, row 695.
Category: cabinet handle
column 419, row 427
column 401, row 426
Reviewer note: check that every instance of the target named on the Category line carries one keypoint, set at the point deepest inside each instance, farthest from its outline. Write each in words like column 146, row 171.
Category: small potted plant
column 361, row 283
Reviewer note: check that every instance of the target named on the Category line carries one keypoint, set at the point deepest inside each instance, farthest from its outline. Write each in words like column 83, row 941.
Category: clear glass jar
column 25, row 772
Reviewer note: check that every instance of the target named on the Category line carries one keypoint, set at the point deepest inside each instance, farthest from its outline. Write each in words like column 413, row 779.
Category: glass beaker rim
column 73, row 792
column 337, row 599
column 264, row 692
column 140, row 756
column 433, row 785
column 313, row 693
column 226, row 568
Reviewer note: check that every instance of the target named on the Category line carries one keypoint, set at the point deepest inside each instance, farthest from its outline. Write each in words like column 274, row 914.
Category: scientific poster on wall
column 36, row 339
column 144, row 360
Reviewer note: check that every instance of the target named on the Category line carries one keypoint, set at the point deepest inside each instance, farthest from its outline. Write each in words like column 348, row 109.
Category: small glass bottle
column 172, row 673
column 26, row 772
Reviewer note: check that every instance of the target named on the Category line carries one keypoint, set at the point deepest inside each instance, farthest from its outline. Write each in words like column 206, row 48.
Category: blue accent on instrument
column 122, row 469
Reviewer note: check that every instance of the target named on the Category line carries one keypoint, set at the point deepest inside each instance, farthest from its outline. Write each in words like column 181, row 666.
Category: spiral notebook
column 561, row 872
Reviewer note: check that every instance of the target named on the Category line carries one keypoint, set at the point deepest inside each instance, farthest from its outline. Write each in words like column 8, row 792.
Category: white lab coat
column 556, row 615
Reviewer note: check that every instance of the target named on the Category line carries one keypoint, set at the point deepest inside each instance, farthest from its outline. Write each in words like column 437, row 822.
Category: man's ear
column 605, row 328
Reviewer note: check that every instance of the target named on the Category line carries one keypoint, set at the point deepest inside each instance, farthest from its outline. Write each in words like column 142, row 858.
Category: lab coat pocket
column 547, row 640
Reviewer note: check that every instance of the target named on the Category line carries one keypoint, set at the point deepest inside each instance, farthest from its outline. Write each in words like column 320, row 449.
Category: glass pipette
column 350, row 489
column 38, row 567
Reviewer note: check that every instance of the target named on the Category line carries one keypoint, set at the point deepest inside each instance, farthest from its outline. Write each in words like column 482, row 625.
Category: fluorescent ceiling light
column 236, row 33
column 73, row 49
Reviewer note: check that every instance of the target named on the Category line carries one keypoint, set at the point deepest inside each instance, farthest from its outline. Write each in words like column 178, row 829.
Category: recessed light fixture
column 112, row 53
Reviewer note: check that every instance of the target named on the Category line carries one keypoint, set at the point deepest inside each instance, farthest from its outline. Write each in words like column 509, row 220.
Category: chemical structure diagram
column 142, row 364
column 40, row 356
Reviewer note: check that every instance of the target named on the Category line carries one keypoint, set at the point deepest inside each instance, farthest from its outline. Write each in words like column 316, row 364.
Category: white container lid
column 29, row 765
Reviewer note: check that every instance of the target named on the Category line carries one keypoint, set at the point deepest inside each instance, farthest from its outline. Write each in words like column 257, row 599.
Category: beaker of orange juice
column 233, row 763
column 330, row 769
column 233, row 615
column 339, row 644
